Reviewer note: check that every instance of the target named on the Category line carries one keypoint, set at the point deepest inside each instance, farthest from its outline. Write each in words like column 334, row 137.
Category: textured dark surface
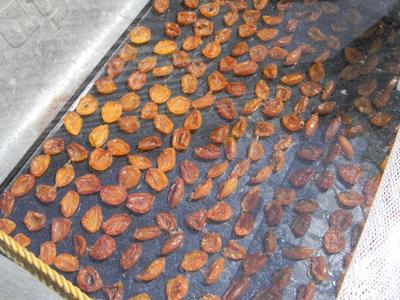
column 370, row 151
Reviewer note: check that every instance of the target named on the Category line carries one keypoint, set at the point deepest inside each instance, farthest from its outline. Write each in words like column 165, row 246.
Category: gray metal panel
column 47, row 49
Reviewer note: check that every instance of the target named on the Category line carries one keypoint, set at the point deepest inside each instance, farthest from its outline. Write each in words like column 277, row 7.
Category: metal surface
column 47, row 49
column 369, row 151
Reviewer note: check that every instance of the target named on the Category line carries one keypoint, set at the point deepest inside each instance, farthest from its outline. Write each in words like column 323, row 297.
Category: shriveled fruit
column 156, row 179
column 174, row 242
column 219, row 212
column 80, row 245
column 319, row 269
column 189, row 171
column 139, row 161
column 92, row 219
column 194, row 260
column 117, row 224
column 244, row 225
column 140, row 203
column 39, row 165
column 197, row 220
column 118, row 147
column 202, row 190
column 334, row 241
column 149, row 143
column 350, row 173
column 60, row 228
column 211, row 242
column 233, row 250
column 102, row 248
column 7, row 201
column 89, row 280
column 140, row 35
column 350, row 199
column 100, row 159
column 153, row 270
column 128, row 177
column 76, row 152
column 163, row 124
column 177, row 288
column 193, row 120
column 48, row 252
column 297, row 252
column 87, row 184
column 66, row 262
column 178, row 105
column 215, row 271
column 33, row 221
column 254, row 262
column 130, row 256
column 65, row 175
column 218, row 169
column 46, row 193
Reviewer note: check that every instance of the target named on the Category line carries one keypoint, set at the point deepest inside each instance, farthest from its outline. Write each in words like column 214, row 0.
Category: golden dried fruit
column 193, row 120
column 140, row 35
column 211, row 50
column 53, row 146
column 46, row 193
column 156, row 179
column 76, row 152
column 39, row 165
column 65, row 175
column 178, row 105
column 60, row 228
column 69, row 203
column 159, row 93
column 87, row 105
column 194, row 260
column 203, row 190
column 163, row 124
column 99, row 135
column 166, row 159
column 165, row 47
column 149, row 143
column 88, row 184
column 177, row 288
column 100, row 159
column 140, row 161
column 220, row 212
column 113, row 194
column 189, row 83
column 105, row 85
column 163, row 71
column 128, row 52
column 92, row 219
column 73, row 122
column 129, row 177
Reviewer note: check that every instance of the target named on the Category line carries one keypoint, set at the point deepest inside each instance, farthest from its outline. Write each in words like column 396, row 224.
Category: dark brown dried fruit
column 117, row 224
column 181, row 139
column 301, row 177
column 281, row 278
column 306, row 206
column 89, row 280
column 300, row 224
column 60, row 228
column 309, row 152
column 140, row 203
column 350, row 173
column 334, row 241
column 297, row 252
column 147, row 233
column 233, row 250
column 130, row 256
column 253, row 263
column 189, row 171
column 174, row 242
column 319, row 268
column 273, row 108
column 325, row 180
column 197, row 220
column 273, row 213
column 350, row 199
column 340, row 220
column 237, row 289
column 211, row 242
column 270, row 242
column 220, row 212
column 305, row 291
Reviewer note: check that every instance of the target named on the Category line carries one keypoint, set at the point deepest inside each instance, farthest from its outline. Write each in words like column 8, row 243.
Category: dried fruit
column 80, row 245
column 92, row 219
column 89, row 280
column 189, row 171
column 130, row 256
column 87, row 105
column 39, row 165
column 76, row 152
column 46, row 193
column 140, row 35
column 197, row 220
column 174, row 242
column 105, row 85
column 60, row 228
column 334, row 241
column 140, row 161
column 48, row 252
column 66, row 262
column 193, row 120
column 211, row 242
column 297, row 252
column 87, row 184
column 215, row 271
column 149, row 111
column 34, row 221
column 116, row 224
column 350, row 199
column 149, row 143
column 128, row 177
column 178, row 105
column 217, row 169
column 220, row 212
column 325, row 180
column 156, row 179
column 153, row 270
column 140, row 203
column 300, row 224
column 102, row 248
column 350, row 173
column 7, row 201
column 147, row 233
column 73, row 122
column 208, row 152
column 227, row 188
column 194, row 260
column 244, row 225
column 22, row 185
column 176, row 192
column 253, row 263
column 99, row 135
column 177, row 288
column 301, row 177
column 137, row 80
column 7, row 225
column 273, row 213
column 237, row 289
column 202, row 190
